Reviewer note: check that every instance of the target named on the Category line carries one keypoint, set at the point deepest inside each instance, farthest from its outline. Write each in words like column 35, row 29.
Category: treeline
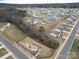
column 55, row 5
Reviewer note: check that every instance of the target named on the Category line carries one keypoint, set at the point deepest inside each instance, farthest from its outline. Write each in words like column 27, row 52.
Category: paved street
column 12, row 48
column 66, row 49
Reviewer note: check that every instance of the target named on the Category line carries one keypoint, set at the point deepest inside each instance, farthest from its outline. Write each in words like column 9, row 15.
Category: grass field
column 13, row 33
column 74, row 46
column 74, row 50
column 3, row 51
column 63, row 18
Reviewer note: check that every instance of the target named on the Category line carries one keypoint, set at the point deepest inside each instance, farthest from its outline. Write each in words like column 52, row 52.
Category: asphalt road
column 12, row 48
column 66, row 49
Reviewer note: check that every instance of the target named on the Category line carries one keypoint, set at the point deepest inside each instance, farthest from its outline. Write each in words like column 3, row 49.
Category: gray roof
column 64, row 24
column 70, row 20
column 56, row 32
column 61, row 29
column 67, row 22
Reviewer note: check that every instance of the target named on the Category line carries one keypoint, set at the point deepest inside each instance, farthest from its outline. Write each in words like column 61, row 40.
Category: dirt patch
column 45, row 51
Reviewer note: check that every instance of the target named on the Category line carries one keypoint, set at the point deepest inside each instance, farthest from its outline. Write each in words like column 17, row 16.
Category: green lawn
column 74, row 50
column 68, row 29
column 74, row 46
column 3, row 51
column 63, row 18
column 13, row 33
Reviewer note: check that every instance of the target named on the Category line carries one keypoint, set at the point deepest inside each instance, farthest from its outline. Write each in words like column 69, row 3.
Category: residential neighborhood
column 39, row 33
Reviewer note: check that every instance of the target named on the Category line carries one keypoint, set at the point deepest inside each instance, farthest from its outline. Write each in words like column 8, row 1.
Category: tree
column 41, row 29
column 21, row 13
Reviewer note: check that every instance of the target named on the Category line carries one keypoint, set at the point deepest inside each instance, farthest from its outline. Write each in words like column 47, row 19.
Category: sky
column 37, row 1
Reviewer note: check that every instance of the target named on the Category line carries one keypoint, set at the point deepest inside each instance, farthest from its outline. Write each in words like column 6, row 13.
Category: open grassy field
column 63, row 18
column 74, row 50
column 3, row 51
column 74, row 47
column 13, row 33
